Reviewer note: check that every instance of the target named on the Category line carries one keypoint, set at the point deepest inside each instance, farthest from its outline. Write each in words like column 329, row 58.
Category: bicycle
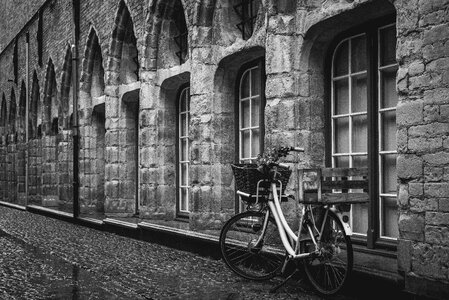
column 259, row 244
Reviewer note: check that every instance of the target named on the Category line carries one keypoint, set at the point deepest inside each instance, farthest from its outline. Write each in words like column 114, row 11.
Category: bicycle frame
column 285, row 230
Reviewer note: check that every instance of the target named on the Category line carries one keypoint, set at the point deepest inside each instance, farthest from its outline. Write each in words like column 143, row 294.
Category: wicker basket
column 247, row 176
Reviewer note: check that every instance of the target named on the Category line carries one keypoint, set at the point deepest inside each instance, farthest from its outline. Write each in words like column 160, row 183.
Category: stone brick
column 416, row 68
column 437, row 235
column 409, row 113
column 411, row 226
column 409, row 166
column 423, row 205
column 435, row 33
column 437, row 218
column 421, row 145
column 436, row 96
column 437, row 159
column 403, row 195
column 443, row 204
column 439, row 190
column 404, row 255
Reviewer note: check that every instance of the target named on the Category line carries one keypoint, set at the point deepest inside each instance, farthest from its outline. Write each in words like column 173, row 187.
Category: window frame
column 373, row 238
column 259, row 63
column 179, row 213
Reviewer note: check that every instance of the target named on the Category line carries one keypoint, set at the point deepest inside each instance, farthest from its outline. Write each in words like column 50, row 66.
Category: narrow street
column 44, row 258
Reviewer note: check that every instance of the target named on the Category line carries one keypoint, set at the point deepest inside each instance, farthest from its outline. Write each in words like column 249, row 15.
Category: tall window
column 183, row 150
column 251, row 106
column 363, row 124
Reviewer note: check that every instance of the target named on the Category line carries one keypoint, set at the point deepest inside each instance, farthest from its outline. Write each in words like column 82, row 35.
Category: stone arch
column 161, row 47
column 22, row 111
column 66, row 108
column 92, row 77
column 12, row 113
column 50, row 103
column 34, row 108
column 124, row 62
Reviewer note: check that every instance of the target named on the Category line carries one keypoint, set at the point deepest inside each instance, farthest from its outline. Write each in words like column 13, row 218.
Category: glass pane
column 360, row 218
column 341, row 101
column 341, row 60
column 388, row 46
column 255, row 82
column 341, row 162
column 245, row 144
column 388, row 86
column 359, row 133
column 184, row 174
column 388, row 130
column 388, row 174
column 255, row 112
column 359, row 94
column 188, row 98
column 341, row 135
column 360, row 161
column 244, row 86
column 255, row 144
column 183, row 155
column 389, row 217
column 358, row 54
column 245, row 113
column 183, row 131
column 182, row 100
column 183, row 199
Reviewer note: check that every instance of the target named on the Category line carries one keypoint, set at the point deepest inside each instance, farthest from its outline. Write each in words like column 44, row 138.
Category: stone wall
column 423, row 128
column 129, row 79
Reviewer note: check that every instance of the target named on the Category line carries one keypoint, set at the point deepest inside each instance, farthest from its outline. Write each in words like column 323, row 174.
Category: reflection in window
column 247, row 12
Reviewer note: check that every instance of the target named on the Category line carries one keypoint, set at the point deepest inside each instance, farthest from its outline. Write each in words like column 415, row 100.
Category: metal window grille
column 247, row 12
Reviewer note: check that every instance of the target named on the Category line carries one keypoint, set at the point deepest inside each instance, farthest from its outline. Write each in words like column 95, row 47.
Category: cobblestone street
column 44, row 258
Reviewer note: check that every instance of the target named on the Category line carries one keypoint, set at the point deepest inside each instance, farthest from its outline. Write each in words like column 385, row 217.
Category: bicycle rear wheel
column 241, row 252
column 329, row 270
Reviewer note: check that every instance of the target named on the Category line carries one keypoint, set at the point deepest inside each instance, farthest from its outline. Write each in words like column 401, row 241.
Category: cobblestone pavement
column 44, row 258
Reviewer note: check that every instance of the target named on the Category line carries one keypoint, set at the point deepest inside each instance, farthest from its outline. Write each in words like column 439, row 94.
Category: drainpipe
column 27, row 107
column 75, row 129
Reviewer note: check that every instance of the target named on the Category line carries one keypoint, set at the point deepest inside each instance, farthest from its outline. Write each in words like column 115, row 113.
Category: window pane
column 182, row 100
column 255, row 144
column 387, row 46
column 245, row 144
column 341, row 60
column 183, row 199
column 388, row 86
column 255, row 82
column 359, row 94
column 360, row 218
column 245, row 113
column 255, row 112
column 188, row 98
column 341, row 162
column 388, row 130
column 359, row 133
column 244, row 86
column 358, row 54
column 388, row 174
column 360, row 161
column 184, row 174
column 183, row 155
column 389, row 217
column 341, row 135
column 182, row 123
column 341, row 97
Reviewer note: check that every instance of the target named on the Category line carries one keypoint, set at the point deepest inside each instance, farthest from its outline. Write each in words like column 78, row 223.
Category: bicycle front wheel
column 329, row 270
column 247, row 250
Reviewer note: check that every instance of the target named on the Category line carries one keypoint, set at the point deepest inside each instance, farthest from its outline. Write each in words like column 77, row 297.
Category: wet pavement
column 45, row 258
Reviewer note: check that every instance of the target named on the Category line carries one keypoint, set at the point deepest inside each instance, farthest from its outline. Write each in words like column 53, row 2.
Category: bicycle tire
column 254, row 262
column 329, row 270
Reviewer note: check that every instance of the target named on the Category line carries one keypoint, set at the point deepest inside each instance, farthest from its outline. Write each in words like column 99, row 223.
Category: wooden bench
column 333, row 185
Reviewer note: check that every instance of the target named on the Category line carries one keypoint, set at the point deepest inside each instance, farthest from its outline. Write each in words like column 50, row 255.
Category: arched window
column 363, row 123
column 183, row 150
column 251, row 104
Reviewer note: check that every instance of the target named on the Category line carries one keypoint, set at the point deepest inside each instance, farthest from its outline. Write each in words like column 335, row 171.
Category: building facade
column 170, row 93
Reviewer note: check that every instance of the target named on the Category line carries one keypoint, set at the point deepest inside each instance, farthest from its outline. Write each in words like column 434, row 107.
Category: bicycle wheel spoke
column 238, row 234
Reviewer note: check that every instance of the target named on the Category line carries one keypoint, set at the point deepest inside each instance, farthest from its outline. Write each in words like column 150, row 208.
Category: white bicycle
column 258, row 244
